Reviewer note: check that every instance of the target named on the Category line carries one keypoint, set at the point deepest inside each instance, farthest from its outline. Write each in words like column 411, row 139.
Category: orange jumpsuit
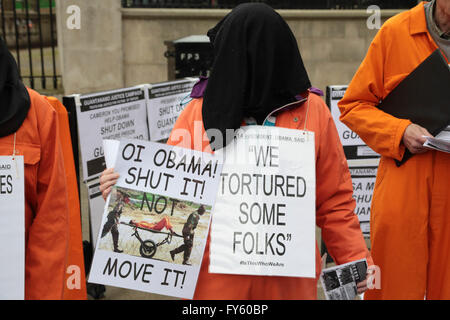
column 46, row 208
column 410, row 215
column 334, row 204
column 75, row 254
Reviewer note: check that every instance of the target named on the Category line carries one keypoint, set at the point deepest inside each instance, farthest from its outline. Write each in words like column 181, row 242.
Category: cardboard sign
column 264, row 218
column 108, row 115
column 156, row 220
column 166, row 101
column 12, row 228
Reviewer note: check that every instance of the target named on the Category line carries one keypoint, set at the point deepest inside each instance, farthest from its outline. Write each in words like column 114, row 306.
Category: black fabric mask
column 14, row 98
column 257, row 68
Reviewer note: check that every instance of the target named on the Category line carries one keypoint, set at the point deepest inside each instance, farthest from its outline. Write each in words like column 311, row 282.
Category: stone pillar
column 91, row 55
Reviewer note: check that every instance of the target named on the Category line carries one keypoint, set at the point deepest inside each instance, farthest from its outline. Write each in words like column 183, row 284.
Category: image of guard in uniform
column 188, row 235
column 113, row 219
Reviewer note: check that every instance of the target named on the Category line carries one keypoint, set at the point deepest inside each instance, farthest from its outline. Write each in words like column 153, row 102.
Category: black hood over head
column 14, row 98
column 257, row 68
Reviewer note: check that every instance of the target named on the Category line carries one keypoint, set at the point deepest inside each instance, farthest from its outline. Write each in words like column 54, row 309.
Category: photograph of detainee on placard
column 154, row 226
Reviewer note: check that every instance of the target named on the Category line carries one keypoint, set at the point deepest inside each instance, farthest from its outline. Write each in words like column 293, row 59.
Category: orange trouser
column 239, row 287
column 410, row 228
column 75, row 255
column 213, row 286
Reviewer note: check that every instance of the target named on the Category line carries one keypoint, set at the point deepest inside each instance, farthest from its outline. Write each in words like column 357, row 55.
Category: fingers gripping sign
column 107, row 180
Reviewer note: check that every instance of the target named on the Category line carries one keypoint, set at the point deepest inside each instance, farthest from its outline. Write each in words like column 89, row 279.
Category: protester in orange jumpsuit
column 75, row 288
column 410, row 216
column 258, row 71
column 28, row 122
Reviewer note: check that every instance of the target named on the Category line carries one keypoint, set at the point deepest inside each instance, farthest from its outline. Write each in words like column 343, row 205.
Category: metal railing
column 28, row 28
column 277, row 4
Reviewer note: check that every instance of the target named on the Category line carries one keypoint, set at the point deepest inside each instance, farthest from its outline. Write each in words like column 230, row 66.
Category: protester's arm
column 334, row 204
column 48, row 234
column 381, row 131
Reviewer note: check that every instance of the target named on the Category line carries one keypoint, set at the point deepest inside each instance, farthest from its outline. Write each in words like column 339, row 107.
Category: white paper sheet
column 12, row 228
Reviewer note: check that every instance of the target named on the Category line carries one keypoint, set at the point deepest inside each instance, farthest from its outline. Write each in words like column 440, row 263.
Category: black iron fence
column 29, row 29
column 277, row 4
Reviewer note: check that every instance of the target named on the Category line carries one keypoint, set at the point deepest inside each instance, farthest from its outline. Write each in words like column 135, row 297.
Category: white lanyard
column 14, row 157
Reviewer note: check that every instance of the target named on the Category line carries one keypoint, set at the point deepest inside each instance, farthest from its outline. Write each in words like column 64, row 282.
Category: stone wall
column 91, row 57
column 332, row 43
column 118, row 47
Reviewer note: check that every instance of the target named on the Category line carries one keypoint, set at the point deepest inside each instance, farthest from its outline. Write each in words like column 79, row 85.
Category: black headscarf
column 257, row 67
column 14, row 98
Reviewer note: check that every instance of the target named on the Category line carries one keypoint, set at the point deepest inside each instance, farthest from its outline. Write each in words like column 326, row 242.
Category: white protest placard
column 156, row 220
column 364, row 175
column 12, row 228
column 109, row 115
column 264, row 217
column 96, row 207
column 96, row 202
column 165, row 103
column 111, row 148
